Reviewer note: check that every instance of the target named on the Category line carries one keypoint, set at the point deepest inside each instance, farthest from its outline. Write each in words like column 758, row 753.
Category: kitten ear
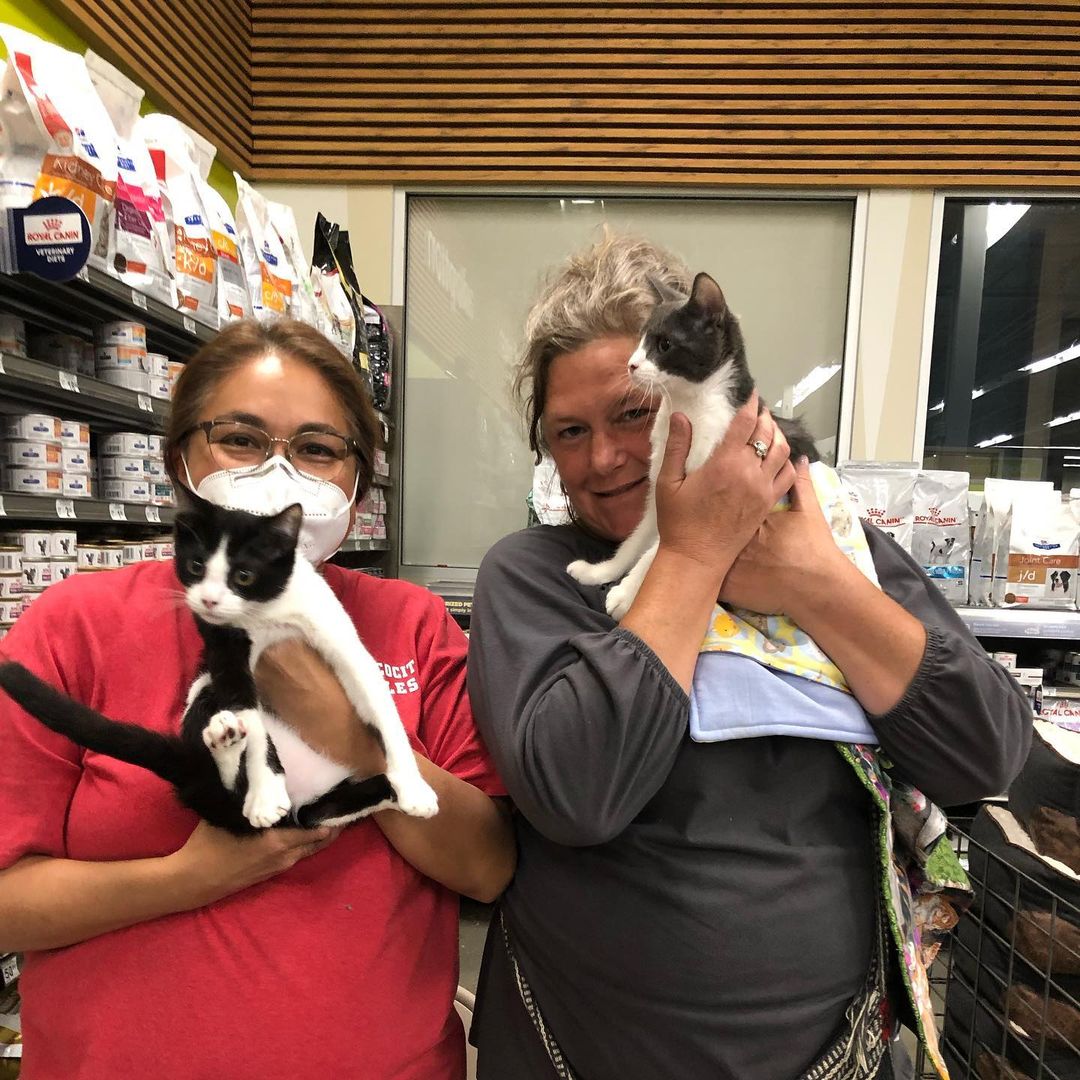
column 664, row 292
column 707, row 296
column 288, row 522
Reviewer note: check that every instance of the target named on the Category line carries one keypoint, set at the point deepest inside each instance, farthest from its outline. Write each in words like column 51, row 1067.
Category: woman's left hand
column 790, row 559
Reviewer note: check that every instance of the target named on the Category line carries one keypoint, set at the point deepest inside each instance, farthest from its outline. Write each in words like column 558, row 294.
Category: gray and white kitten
column 692, row 350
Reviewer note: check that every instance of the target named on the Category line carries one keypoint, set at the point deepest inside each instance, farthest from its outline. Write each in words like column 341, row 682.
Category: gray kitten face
column 691, row 338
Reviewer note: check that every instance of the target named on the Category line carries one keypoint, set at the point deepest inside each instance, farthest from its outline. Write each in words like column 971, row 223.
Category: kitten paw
column 267, row 803
column 587, row 573
column 414, row 797
column 618, row 601
column 224, row 731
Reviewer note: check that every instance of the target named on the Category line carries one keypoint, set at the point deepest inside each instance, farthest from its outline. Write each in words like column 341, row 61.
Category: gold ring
column 760, row 448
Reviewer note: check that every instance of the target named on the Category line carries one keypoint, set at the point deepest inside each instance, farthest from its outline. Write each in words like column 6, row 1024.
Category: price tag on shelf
column 69, row 381
column 189, row 324
column 145, row 403
column 65, row 508
column 138, row 299
column 153, row 515
column 9, row 969
column 117, row 512
column 3, row 512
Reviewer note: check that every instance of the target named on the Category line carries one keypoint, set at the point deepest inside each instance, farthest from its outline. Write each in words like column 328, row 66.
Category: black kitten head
column 229, row 560
column 693, row 338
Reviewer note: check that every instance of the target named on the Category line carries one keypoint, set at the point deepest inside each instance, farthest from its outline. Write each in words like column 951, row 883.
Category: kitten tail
column 161, row 754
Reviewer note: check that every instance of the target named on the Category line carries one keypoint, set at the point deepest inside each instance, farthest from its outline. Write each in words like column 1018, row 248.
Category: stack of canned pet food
column 131, row 469
column 32, row 560
column 121, row 358
column 45, row 455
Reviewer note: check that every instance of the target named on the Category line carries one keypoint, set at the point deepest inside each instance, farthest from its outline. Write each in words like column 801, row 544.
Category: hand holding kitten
column 711, row 514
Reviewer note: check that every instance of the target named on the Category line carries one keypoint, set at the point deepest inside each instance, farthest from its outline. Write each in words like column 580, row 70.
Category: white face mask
column 268, row 488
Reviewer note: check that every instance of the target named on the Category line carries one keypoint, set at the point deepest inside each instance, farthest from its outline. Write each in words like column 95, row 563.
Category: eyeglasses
column 236, row 446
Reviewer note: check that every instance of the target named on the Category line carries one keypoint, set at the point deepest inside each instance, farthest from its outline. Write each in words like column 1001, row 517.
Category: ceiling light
column 1059, row 420
column 993, row 442
column 1071, row 353
column 813, row 380
column 1000, row 218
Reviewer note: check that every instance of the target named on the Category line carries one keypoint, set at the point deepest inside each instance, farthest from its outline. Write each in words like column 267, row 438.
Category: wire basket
column 1006, row 985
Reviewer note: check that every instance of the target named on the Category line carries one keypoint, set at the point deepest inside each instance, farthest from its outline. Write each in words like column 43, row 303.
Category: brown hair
column 601, row 290
column 242, row 342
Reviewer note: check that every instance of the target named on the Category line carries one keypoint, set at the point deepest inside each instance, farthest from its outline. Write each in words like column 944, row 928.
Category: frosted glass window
column 475, row 264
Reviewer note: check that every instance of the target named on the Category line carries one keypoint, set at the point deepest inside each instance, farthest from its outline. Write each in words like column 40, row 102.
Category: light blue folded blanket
column 735, row 697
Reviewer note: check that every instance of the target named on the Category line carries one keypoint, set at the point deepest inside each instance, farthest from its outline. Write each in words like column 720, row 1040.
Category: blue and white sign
column 50, row 238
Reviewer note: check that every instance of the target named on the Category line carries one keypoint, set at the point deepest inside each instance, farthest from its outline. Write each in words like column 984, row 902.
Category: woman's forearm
column 47, row 903
column 468, row 846
column 672, row 610
column 875, row 643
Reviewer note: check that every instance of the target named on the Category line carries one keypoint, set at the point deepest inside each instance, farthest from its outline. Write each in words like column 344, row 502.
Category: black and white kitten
column 234, row 763
column 692, row 351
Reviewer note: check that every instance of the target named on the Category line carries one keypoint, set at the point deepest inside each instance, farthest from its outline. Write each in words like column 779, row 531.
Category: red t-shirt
column 344, row 966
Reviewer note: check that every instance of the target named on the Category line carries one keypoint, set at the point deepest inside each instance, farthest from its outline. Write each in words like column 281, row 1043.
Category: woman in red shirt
column 157, row 945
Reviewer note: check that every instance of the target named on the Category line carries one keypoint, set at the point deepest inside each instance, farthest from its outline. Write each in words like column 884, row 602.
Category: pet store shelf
column 17, row 507
column 1015, row 622
column 38, row 387
column 365, row 545
column 76, row 306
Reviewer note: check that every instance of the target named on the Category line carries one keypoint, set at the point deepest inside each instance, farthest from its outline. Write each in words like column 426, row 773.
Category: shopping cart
column 1006, row 985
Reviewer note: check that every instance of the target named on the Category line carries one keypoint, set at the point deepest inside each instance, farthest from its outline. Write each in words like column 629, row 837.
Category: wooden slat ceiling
column 687, row 92
column 193, row 58
column 674, row 92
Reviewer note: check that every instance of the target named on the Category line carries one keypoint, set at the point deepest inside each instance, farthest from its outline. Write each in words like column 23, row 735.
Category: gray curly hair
column 603, row 289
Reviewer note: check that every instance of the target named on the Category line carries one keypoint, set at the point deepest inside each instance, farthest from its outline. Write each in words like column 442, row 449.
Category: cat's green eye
column 243, row 578
column 195, row 566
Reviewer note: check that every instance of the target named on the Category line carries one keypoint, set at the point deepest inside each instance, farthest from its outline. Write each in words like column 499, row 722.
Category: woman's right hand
column 214, row 864
column 711, row 514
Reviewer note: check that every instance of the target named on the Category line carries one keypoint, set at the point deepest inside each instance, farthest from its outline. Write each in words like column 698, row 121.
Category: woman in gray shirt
column 685, row 909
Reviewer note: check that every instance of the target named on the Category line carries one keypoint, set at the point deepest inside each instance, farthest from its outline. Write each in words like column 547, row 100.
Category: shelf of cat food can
column 34, row 387
column 365, row 544
column 382, row 481
column 77, row 306
column 1017, row 622
column 18, row 507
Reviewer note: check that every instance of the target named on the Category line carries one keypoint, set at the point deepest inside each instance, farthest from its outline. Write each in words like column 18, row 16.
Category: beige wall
column 891, row 316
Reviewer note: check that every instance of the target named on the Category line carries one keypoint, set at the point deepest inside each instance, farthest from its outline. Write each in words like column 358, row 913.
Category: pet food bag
column 326, row 278
column 283, row 221
column 195, row 259
column 263, row 257
column 233, row 298
column 343, row 258
column 884, row 494
column 941, row 534
column 55, row 135
column 1043, row 553
column 139, row 251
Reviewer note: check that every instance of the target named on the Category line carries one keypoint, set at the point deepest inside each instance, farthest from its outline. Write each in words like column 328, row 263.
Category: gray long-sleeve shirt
column 684, row 909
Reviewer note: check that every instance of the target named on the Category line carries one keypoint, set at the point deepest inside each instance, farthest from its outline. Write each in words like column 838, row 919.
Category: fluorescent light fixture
column 1000, row 218
column 993, row 442
column 1072, row 457
column 1059, row 420
column 583, row 202
column 939, row 407
column 1071, row 353
column 978, row 393
column 809, row 383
